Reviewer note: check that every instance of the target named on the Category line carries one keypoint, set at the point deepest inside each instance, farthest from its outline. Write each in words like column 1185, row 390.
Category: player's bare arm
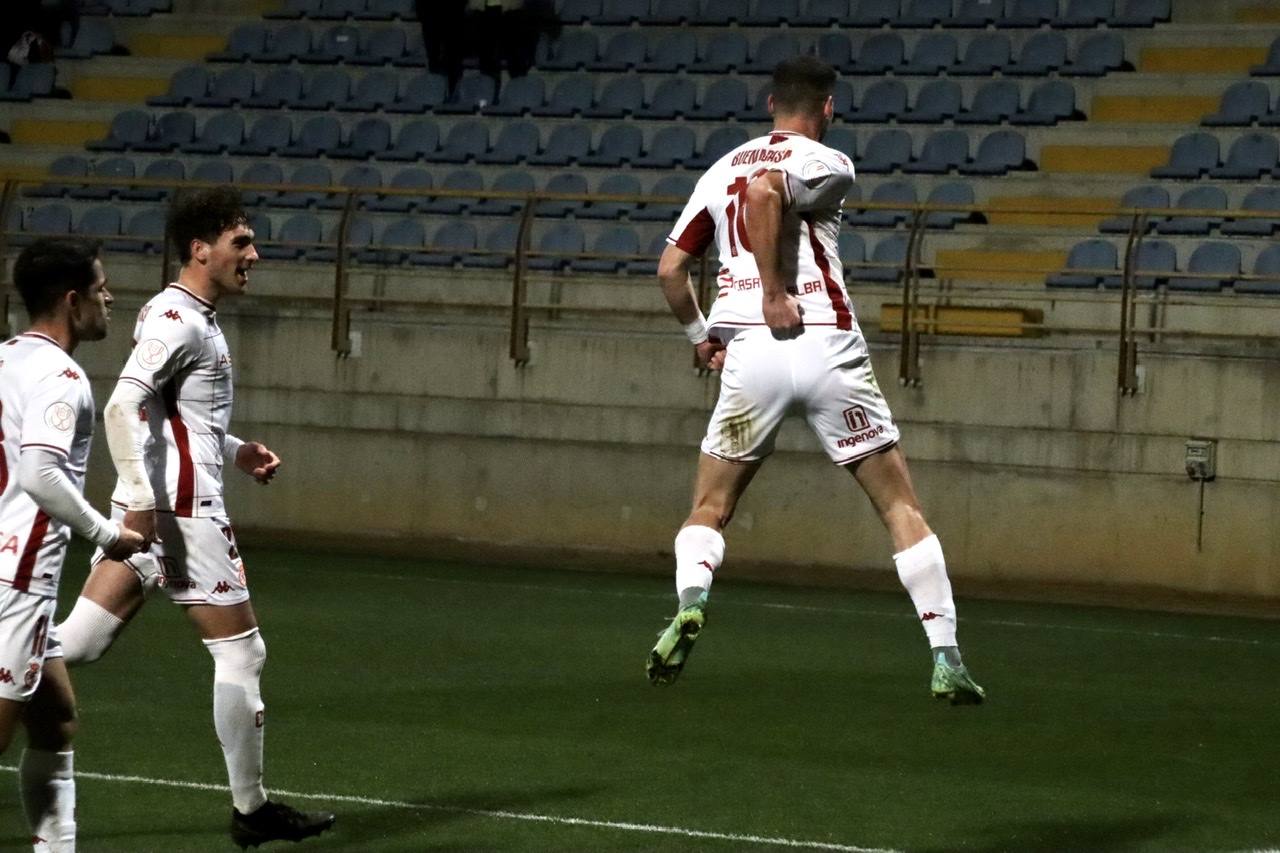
column 677, row 287
column 765, row 206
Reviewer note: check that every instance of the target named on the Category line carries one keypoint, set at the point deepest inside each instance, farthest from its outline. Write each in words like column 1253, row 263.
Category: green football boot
column 676, row 642
column 955, row 684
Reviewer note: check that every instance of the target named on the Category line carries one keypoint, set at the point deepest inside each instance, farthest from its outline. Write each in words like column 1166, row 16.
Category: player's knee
column 239, row 657
column 53, row 732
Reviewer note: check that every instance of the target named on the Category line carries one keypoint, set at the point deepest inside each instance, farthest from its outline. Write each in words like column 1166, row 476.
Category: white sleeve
column 126, row 437
column 40, row 474
column 818, row 181
column 230, row 447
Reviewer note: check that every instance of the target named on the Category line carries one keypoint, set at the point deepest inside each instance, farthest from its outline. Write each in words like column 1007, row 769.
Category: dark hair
column 802, row 84
column 203, row 215
column 50, row 267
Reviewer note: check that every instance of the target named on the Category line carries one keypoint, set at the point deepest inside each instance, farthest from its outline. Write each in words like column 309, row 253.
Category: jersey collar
column 41, row 336
column 206, row 303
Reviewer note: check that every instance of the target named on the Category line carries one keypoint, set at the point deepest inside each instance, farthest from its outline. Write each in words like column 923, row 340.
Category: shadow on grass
column 1098, row 835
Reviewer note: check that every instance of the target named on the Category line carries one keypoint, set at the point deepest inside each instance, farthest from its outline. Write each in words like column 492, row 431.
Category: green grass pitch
column 481, row 708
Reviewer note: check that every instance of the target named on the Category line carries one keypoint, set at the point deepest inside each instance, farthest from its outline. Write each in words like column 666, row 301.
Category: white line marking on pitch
column 500, row 814
column 879, row 614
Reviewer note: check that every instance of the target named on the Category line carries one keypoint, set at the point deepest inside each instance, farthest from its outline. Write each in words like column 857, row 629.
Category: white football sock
column 923, row 571
column 88, row 632
column 238, row 713
column 699, row 552
column 48, row 786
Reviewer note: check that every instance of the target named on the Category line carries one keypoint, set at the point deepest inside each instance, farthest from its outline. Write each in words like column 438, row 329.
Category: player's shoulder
column 811, row 149
column 174, row 311
column 46, row 363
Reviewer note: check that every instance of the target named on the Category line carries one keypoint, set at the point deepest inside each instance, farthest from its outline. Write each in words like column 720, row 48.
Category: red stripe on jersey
column 27, row 562
column 186, row 469
column 844, row 318
column 697, row 235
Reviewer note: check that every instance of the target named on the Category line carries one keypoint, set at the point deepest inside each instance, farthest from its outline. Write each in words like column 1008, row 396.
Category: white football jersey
column 817, row 178
column 45, row 402
column 181, row 357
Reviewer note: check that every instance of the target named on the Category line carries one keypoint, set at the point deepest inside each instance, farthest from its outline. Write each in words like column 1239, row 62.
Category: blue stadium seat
column 270, row 134
column 620, row 143
column 579, row 11
column 1267, row 266
column 188, row 84
column 449, row 244
column 998, row 153
column 836, row 50
column 822, row 13
column 336, row 44
column 516, row 142
column 1151, row 196
column 212, row 172
column 49, row 219
column 759, row 108
column 771, row 13
column 399, row 239
column 146, row 230
column 1242, row 104
column 1087, row 263
column 102, row 222
column 620, row 240
column 670, row 13
column 300, row 234
column 955, row 192
column 261, row 173
column 1084, row 13
column 164, row 169
column 923, row 13
column 882, row 101
column 620, row 97
column 286, row 44
column 66, row 166
column 1196, row 198
column 521, row 95
column 413, row 178
column 281, row 87
column 670, row 147
column 623, row 11
column 415, row 53
column 1098, row 55
column 324, row 90
column 558, row 246
column 670, row 53
column 1211, row 267
column 887, row 260
column 1141, row 13
column 246, row 42
column 421, row 94
column 369, row 138
column 293, row 10
column 624, row 51
column 1041, row 54
column 937, row 101
column 567, row 144
column 772, row 49
column 842, row 98
column 355, row 178
column 230, row 87
column 1193, row 155
column 885, row 151
column 891, row 192
column 873, row 13
column 986, row 54
column 724, row 98
column 617, row 183
column 374, row 91
column 574, row 50
column 852, row 251
column 467, row 140
column 843, row 140
column 94, row 38
column 674, row 97
column 417, row 140
column 338, row 10
column 976, row 14
column 359, row 237
column 462, row 180
column 943, row 151
column 385, row 10
column 1271, row 66
column 1154, row 260
column 128, row 129
column 1029, row 13
column 878, row 54
column 933, row 54
column 573, row 95
column 113, row 167
column 513, row 181
column 499, row 247
column 723, row 52
column 318, row 135
column 648, row 263
column 720, row 142
column 222, row 131
column 381, row 47
column 35, row 80
column 994, row 103
column 677, row 186
column 721, row 13
column 1259, row 199
column 170, row 131
column 1050, row 102
column 1251, row 156
column 564, row 182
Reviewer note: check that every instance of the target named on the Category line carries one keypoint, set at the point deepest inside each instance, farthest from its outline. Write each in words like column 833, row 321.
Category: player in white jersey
column 46, row 426
column 784, row 334
column 167, row 427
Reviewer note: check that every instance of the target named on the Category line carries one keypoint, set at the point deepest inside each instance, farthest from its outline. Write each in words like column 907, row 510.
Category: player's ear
column 199, row 250
column 829, row 108
column 769, row 102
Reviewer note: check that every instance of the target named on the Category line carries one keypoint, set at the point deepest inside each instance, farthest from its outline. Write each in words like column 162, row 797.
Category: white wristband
column 696, row 331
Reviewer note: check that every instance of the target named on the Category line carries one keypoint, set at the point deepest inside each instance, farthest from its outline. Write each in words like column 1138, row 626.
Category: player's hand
column 257, row 461
column 129, row 543
column 784, row 316
column 710, row 354
column 143, row 522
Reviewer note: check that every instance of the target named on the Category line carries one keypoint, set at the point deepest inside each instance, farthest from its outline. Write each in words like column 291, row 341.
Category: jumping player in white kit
column 46, row 425
column 167, row 427
column 783, row 332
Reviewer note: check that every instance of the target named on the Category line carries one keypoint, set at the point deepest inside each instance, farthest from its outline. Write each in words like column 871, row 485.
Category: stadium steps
column 1203, row 60
column 1262, row 13
column 1025, row 265
column 1103, row 159
column 45, row 132
column 1049, row 204
column 1156, row 109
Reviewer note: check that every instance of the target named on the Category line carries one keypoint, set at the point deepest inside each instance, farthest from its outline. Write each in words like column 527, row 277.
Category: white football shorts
column 27, row 639
column 823, row 374
column 196, row 562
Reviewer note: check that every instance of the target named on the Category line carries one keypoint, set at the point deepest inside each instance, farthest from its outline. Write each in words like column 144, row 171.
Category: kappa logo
column 6, row 677
column 60, row 416
column 172, row 315
column 70, row 374
column 222, row 587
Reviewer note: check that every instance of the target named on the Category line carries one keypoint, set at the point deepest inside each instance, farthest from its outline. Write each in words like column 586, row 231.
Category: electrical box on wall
column 1201, row 458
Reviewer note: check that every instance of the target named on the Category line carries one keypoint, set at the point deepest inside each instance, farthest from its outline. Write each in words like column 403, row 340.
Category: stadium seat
column 1271, row 67
column 621, row 97
column 670, row 147
column 1050, row 102
column 723, row 52
column 619, row 240
column 93, row 38
column 467, row 140
column 102, row 222
column 336, row 44
column 1154, row 260
column 145, row 231
column 164, row 169
column 922, row 13
column 986, row 54
column 1250, row 157
column 994, row 103
column 462, row 180
column 369, row 138
column 1138, row 197
column 883, row 100
column 286, row 44
column 1258, row 200
column 724, row 98
column 520, row 96
column 212, row 172
column 624, row 51
column 567, row 144
column 1193, row 155
column 771, row 13
column 318, row 135
column 421, row 94
column 1029, row 13
column 34, row 80
column 299, row 234
column 573, row 95
column 842, row 139
column 1196, row 198
column 891, row 192
column 1141, row 13
column 933, row 54
column 230, row 87
column 1267, row 266
column 281, row 87
column 306, row 175
column 842, row 98
column 572, row 183
column 617, row 183
column 246, row 42
column 1242, row 104
column 48, row 219
column 66, row 166
column 721, row 13
column 956, row 192
column 359, row 237
column 1211, row 267
column 670, row 53
column 822, row 13
column 873, row 13
column 836, row 50
column 499, row 244
column 673, row 98
column 942, row 152
column 374, row 91
column 169, row 131
column 620, row 143
column 720, row 142
column 623, row 11
column 386, row 10
column 188, row 84
column 887, row 261
column 516, row 142
column 677, row 186
column 417, row 140
column 261, row 173
column 651, row 250
column 886, row 151
column 513, row 181
column 852, row 251
column 381, row 47
column 222, row 131
column 1087, row 264
column 976, row 14
column 771, row 50
column 1084, row 13
column 1041, row 54
column 558, row 246
column 128, row 129
column 579, row 11
column 449, row 244
column 671, row 13
column 878, row 54
column 293, row 10
column 269, row 135
column 1098, row 55
column 999, row 153
column 759, row 107
column 415, row 53
column 574, row 50
column 324, row 90
column 937, row 101
column 413, row 178
column 120, row 168
column 338, row 10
